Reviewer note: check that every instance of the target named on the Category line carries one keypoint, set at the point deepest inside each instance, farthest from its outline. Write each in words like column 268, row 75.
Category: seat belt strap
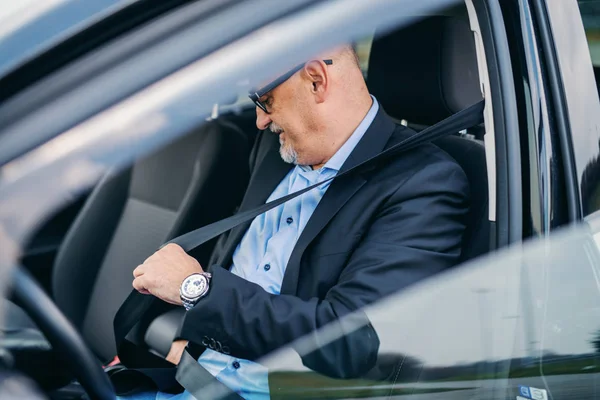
column 464, row 119
column 201, row 383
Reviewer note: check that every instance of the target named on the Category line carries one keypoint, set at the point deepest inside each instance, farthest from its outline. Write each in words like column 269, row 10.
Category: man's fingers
column 139, row 271
column 170, row 246
column 139, row 285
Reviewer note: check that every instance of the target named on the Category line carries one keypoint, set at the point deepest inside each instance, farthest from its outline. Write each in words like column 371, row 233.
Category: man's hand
column 176, row 351
column 163, row 272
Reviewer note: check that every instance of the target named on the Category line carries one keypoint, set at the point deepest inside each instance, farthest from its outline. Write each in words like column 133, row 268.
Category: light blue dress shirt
column 262, row 256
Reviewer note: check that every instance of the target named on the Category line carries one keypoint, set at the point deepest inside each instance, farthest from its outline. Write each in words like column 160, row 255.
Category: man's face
column 291, row 116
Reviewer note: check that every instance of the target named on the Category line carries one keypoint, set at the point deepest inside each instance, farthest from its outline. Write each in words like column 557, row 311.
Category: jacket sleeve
column 415, row 234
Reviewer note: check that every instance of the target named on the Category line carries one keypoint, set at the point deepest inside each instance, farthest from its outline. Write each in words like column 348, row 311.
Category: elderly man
column 322, row 255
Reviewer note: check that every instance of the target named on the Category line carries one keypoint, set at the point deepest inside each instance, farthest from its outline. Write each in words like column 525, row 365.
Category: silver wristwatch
column 193, row 288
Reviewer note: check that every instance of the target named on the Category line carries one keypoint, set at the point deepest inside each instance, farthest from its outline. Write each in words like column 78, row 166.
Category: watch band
column 188, row 305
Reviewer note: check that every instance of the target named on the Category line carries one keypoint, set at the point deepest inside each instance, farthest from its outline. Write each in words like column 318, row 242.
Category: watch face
column 194, row 286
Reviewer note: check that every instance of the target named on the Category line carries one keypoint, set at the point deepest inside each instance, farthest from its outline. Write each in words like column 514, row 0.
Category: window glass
column 590, row 13
column 590, row 177
column 28, row 26
column 524, row 322
column 363, row 50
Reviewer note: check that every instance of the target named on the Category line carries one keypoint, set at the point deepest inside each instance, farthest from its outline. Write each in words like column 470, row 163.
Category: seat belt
column 137, row 304
column 464, row 119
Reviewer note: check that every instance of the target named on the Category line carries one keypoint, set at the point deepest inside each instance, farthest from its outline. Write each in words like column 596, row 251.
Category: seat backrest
column 425, row 73
column 198, row 179
column 470, row 154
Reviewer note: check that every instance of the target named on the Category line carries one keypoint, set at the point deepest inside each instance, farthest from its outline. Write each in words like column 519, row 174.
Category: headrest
column 427, row 71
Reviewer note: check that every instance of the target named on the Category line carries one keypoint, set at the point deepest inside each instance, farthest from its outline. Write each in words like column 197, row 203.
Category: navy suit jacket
column 372, row 234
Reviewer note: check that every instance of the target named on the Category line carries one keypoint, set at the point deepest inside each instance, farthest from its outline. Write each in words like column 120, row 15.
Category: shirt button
column 235, row 365
column 267, row 267
column 289, row 220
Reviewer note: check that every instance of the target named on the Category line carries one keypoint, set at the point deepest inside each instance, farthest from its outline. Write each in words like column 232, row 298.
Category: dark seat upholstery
column 424, row 73
column 196, row 180
column 470, row 154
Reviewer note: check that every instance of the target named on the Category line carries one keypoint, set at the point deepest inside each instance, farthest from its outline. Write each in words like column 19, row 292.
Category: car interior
column 84, row 255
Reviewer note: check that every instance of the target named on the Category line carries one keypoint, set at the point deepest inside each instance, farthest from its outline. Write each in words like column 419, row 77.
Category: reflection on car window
column 590, row 13
column 28, row 27
column 522, row 323
column 590, row 189
column 363, row 50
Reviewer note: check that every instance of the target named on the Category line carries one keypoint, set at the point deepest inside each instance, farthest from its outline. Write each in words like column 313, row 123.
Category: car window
column 28, row 26
column 136, row 138
column 519, row 323
column 586, row 142
column 363, row 51
column 590, row 14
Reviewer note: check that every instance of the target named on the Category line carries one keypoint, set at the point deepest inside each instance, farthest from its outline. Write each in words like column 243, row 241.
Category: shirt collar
column 337, row 161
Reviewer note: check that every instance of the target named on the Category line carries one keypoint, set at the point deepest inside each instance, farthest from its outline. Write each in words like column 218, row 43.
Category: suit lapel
column 269, row 173
column 372, row 143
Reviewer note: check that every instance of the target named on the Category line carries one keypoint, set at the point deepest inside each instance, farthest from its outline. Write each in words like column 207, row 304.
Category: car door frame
column 575, row 106
column 507, row 227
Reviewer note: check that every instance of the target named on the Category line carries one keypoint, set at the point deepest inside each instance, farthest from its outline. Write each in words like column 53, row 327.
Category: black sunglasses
column 255, row 97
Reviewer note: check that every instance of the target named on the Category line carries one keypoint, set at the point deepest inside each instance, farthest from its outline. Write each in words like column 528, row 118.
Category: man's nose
column 262, row 119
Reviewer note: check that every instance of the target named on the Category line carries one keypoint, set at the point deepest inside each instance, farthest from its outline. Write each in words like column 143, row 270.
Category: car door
column 520, row 324
column 510, row 232
column 558, row 107
column 565, row 26
column 586, row 142
column 531, row 319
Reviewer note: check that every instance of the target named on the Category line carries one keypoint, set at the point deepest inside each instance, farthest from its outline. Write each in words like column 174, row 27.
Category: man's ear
column 317, row 76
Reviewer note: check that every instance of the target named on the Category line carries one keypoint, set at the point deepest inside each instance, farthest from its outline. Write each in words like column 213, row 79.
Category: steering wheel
column 62, row 335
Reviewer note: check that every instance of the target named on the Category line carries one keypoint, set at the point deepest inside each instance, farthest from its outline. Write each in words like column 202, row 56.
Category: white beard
column 287, row 152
